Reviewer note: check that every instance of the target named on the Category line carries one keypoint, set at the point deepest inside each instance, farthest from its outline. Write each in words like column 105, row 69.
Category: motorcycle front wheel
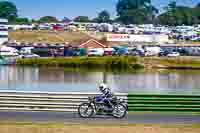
column 119, row 111
column 85, row 110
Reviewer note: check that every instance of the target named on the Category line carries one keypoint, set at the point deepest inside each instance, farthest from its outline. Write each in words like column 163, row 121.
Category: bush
column 85, row 62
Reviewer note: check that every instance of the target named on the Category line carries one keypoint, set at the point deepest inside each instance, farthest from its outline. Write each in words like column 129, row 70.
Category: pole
column 8, row 78
column 105, row 80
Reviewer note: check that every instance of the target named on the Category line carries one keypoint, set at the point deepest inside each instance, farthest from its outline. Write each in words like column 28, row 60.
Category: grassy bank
column 171, row 63
column 84, row 62
column 47, row 36
column 96, row 128
column 114, row 62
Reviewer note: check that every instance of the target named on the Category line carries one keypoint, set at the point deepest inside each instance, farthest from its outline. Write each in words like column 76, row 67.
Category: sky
column 72, row 8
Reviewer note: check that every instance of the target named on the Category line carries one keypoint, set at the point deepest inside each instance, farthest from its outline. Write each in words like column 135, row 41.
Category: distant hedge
column 122, row 62
column 84, row 62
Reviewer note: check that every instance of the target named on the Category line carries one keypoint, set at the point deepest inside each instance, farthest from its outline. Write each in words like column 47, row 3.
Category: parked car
column 137, row 53
column 152, row 51
column 182, row 51
column 120, row 51
column 173, row 54
column 163, row 53
column 8, row 51
column 195, row 39
column 26, row 50
column 96, row 52
column 29, row 55
column 109, row 51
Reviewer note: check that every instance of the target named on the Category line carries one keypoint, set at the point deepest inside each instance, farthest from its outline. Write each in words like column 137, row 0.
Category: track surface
column 74, row 118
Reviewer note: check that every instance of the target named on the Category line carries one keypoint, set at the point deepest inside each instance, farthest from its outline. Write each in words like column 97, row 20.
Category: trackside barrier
column 44, row 101
column 173, row 103
column 69, row 102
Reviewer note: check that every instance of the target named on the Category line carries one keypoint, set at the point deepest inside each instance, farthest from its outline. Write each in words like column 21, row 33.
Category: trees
column 170, row 15
column 8, row 10
column 179, row 15
column 82, row 19
column 196, row 15
column 198, row 5
column 135, row 11
column 141, row 12
column 151, row 14
column 103, row 17
column 48, row 19
column 128, row 12
column 123, row 5
column 21, row 21
column 133, row 16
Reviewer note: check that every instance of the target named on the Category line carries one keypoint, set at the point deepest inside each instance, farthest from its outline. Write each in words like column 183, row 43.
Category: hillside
column 47, row 36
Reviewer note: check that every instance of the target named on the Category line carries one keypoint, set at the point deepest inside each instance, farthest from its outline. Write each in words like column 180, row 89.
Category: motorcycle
column 96, row 106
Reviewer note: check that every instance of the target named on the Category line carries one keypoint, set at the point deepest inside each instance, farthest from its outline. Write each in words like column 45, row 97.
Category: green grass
column 47, row 36
column 126, row 62
column 84, row 62
column 25, row 127
column 172, row 63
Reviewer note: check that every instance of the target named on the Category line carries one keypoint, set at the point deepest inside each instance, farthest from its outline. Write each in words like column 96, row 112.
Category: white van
column 26, row 50
column 152, row 51
column 96, row 52
column 8, row 51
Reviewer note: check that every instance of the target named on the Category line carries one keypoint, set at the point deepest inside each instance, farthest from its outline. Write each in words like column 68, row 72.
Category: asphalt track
column 11, row 116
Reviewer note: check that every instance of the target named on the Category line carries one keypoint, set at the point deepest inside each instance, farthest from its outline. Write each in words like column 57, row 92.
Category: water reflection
column 59, row 80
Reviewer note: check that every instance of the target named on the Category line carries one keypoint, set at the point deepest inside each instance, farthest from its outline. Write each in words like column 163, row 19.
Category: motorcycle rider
column 106, row 95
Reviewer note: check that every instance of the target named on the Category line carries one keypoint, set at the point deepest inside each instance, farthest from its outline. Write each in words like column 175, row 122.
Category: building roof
column 81, row 43
column 85, row 43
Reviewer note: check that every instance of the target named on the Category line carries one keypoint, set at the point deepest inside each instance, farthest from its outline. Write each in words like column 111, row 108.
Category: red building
column 92, row 43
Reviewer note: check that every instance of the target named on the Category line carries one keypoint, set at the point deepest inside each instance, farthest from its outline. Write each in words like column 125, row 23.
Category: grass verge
column 124, row 62
column 172, row 63
column 47, row 36
column 96, row 128
column 84, row 62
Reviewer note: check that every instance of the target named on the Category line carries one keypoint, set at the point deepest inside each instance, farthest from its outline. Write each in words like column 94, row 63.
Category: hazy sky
column 71, row 8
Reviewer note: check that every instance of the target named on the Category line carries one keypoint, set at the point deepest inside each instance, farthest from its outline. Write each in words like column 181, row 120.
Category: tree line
column 9, row 11
column 128, row 12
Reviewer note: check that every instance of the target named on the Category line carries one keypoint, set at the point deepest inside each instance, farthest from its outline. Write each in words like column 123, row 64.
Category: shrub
column 87, row 62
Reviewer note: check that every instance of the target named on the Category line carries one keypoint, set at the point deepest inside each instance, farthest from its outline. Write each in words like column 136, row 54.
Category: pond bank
column 171, row 63
column 84, row 62
column 127, row 62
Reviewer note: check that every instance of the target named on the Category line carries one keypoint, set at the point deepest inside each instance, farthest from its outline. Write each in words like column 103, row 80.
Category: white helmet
column 103, row 88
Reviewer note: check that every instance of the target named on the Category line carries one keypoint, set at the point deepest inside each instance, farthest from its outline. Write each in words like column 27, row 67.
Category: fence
column 41, row 101
column 69, row 102
column 175, row 103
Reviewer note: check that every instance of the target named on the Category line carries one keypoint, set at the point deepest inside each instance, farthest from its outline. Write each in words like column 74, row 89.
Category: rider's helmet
column 103, row 88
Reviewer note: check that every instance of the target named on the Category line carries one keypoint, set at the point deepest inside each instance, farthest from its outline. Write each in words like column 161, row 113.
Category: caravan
column 8, row 51
column 96, row 52
column 3, row 31
column 152, row 51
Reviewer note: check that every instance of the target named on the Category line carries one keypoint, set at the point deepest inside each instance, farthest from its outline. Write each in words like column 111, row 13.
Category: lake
column 61, row 80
